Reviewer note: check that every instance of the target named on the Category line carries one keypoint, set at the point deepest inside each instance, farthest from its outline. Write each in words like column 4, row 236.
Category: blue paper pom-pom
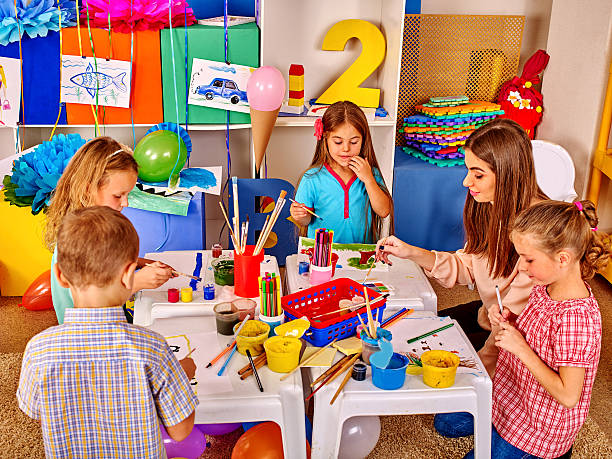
column 36, row 173
column 32, row 17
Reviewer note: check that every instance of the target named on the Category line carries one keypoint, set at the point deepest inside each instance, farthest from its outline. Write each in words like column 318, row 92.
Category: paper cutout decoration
column 219, row 85
column 85, row 77
column 10, row 86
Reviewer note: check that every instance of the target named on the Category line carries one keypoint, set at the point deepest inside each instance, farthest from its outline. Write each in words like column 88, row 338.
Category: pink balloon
column 266, row 89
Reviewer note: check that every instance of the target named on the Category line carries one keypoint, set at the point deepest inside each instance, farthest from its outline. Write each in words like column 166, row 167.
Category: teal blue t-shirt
column 344, row 208
column 62, row 298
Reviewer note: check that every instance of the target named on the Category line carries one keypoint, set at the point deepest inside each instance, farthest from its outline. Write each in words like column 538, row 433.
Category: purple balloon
column 217, row 429
column 191, row 447
column 266, row 89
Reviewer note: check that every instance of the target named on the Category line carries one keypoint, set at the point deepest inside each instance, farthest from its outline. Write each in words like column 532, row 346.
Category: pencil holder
column 273, row 322
column 320, row 274
column 283, row 353
column 246, row 272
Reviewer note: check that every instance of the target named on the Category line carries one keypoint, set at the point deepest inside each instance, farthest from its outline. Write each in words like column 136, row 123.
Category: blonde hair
column 336, row 115
column 505, row 146
column 94, row 244
column 557, row 225
column 88, row 171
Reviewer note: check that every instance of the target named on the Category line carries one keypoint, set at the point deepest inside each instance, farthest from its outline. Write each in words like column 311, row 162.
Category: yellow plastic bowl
column 439, row 368
column 283, row 353
column 252, row 337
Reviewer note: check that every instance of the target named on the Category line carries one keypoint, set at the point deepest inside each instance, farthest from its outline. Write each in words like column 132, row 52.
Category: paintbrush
column 333, row 376
column 331, row 369
column 190, row 352
column 303, row 206
column 370, row 318
column 364, row 326
column 247, row 367
column 353, row 307
column 342, row 384
column 368, row 273
column 309, row 359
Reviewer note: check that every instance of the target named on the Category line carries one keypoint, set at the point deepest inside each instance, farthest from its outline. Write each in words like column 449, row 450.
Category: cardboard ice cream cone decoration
column 265, row 91
column 262, row 124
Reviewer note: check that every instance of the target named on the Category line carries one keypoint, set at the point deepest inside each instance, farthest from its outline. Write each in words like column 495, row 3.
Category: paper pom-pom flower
column 69, row 12
column 33, row 17
column 35, row 174
column 173, row 127
column 127, row 15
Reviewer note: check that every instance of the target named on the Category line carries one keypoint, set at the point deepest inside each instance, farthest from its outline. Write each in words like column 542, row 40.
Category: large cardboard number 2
column 346, row 87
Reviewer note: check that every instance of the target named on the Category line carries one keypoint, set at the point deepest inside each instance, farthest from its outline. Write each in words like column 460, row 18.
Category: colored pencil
column 312, row 357
column 248, row 353
column 388, row 319
column 331, row 369
column 229, row 357
column 342, row 384
column 499, row 301
column 333, row 376
column 305, row 208
column 396, row 318
column 425, row 335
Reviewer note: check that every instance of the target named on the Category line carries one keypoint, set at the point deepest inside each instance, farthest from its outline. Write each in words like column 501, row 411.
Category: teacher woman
column 501, row 182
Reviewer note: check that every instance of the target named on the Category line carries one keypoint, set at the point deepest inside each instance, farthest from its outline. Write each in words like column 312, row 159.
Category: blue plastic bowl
column 393, row 376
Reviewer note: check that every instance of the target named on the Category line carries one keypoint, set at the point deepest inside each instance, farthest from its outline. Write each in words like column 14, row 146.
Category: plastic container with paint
column 186, row 294
column 393, row 376
column 283, row 353
column 226, row 316
column 223, row 269
column 369, row 345
column 252, row 337
column 173, row 295
column 439, row 368
column 245, row 306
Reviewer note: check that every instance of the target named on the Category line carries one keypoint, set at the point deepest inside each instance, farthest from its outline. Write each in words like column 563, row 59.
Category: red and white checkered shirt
column 563, row 334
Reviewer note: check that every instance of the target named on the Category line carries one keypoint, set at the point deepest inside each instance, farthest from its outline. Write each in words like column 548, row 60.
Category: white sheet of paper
column 182, row 261
column 206, row 346
column 10, row 88
column 219, row 85
column 448, row 340
column 83, row 76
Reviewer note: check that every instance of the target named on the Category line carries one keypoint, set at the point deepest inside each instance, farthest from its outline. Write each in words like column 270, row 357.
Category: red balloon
column 264, row 441
column 38, row 295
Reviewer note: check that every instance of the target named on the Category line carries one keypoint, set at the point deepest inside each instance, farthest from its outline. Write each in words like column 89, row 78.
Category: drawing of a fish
column 90, row 80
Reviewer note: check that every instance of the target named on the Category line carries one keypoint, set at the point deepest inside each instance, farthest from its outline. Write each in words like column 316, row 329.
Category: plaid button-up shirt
column 99, row 386
column 563, row 334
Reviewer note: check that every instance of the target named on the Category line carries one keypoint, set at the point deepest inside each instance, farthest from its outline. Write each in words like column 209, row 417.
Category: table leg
column 327, row 431
column 482, row 420
column 293, row 428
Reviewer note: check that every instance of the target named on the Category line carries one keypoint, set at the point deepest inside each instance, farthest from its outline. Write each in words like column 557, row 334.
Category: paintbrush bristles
column 371, row 325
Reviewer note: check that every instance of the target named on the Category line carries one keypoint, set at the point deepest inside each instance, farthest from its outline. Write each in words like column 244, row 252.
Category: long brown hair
column 336, row 115
column 506, row 148
column 88, row 170
column 558, row 225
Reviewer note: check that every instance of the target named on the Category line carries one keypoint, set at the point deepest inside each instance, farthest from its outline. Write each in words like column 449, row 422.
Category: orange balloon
column 263, row 441
column 38, row 295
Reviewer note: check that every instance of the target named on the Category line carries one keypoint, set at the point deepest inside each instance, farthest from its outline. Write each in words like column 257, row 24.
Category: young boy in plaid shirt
column 549, row 353
column 98, row 385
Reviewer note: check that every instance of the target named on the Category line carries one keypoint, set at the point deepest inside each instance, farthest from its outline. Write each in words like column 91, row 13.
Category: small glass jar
column 217, row 250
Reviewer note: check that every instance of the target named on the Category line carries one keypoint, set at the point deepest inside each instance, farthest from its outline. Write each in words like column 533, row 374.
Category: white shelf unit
column 292, row 32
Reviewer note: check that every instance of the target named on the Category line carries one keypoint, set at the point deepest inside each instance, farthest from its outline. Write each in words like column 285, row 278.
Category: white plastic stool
column 555, row 171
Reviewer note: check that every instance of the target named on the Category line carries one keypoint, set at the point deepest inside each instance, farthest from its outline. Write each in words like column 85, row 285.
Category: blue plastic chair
column 285, row 230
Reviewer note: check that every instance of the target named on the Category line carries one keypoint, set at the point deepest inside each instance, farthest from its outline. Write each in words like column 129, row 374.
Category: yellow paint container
column 252, row 337
column 283, row 353
column 439, row 368
column 295, row 328
column 186, row 294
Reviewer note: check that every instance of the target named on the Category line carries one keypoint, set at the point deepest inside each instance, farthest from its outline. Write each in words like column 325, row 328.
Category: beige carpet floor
column 401, row 436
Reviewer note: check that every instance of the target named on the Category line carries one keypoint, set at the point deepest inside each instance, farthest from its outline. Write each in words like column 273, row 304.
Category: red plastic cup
column 247, row 272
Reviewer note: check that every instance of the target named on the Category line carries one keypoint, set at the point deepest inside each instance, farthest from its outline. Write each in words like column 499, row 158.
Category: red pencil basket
column 325, row 298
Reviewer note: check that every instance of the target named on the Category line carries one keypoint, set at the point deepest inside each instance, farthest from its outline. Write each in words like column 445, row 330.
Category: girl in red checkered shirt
column 549, row 352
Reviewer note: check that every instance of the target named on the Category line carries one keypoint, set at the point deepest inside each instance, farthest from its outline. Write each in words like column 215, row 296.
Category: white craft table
column 411, row 287
column 281, row 402
column 471, row 392
column 153, row 304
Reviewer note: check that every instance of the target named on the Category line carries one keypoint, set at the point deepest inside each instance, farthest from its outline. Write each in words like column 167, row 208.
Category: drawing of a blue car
column 221, row 87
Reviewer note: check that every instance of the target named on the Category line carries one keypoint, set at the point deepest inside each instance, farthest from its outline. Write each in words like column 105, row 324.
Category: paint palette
column 380, row 287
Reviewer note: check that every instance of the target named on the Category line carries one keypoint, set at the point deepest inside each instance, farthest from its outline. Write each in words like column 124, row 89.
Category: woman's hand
column 299, row 214
column 510, row 339
column 361, row 168
column 152, row 275
column 391, row 245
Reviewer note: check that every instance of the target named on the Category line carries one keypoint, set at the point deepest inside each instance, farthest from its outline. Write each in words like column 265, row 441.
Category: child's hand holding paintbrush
column 300, row 213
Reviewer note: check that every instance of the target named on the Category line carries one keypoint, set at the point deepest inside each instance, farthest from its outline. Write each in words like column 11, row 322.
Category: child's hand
column 495, row 317
column 299, row 214
column 189, row 367
column 510, row 339
column 391, row 245
column 152, row 276
column 361, row 168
